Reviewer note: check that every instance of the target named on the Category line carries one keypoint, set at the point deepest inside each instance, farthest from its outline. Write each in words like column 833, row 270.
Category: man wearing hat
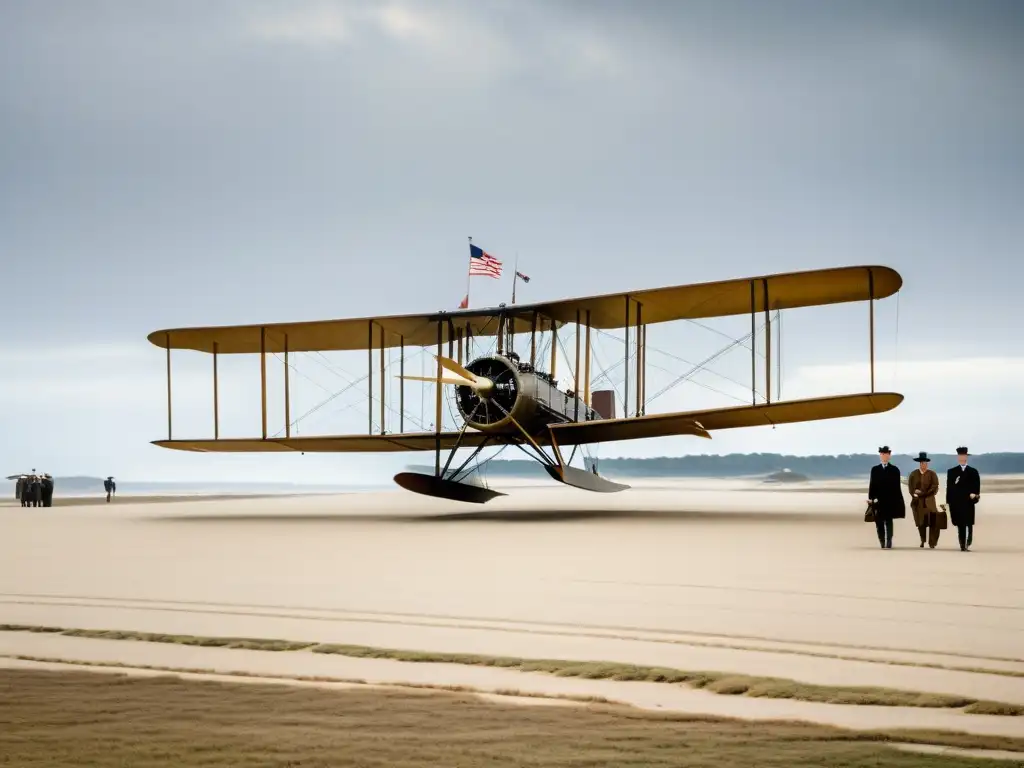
column 886, row 494
column 923, row 484
column 47, row 484
column 963, row 489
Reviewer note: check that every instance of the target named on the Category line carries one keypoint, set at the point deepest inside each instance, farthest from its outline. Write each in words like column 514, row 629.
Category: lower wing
column 415, row 441
column 701, row 423
column 696, row 423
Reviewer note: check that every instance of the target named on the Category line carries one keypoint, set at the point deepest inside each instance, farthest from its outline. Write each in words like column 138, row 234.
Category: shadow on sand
column 531, row 515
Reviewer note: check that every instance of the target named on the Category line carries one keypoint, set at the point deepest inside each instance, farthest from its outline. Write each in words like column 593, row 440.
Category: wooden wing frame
column 681, row 302
column 626, row 310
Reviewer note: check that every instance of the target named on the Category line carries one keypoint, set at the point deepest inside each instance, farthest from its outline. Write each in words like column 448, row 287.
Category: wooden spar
column 767, row 348
column 369, row 378
column 753, row 344
column 382, row 414
column 576, row 372
column 287, row 394
column 586, row 365
column 639, row 357
column 643, row 385
column 216, row 404
column 554, row 346
column 625, row 367
column 533, row 339
column 871, row 323
column 459, row 345
column 168, row 385
column 437, row 407
column 263, row 377
column 401, row 386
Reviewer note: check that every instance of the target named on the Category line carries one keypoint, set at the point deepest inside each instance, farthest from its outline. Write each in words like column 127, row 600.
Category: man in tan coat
column 923, row 485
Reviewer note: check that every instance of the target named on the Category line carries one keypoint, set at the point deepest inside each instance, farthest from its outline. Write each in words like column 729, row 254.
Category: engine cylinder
column 530, row 398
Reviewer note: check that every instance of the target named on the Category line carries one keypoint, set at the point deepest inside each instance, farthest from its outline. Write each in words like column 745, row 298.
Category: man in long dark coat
column 886, row 494
column 47, row 484
column 963, row 489
column 36, row 491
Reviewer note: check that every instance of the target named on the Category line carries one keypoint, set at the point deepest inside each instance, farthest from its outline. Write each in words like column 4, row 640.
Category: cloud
column 459, row 41
column 346, row 23
column 317, row 25
column 405, row 24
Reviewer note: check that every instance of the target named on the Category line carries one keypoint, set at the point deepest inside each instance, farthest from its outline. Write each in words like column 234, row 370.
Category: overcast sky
column 216, row 161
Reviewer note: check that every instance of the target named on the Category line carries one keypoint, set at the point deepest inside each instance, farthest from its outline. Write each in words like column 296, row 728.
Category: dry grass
column 76, row 718
column 717, row 682
column 579, row 698
column 995, row 708
column 723, row 683
column 248, row 643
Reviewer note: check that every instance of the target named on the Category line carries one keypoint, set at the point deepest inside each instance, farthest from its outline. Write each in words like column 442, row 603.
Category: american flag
column 482, row 263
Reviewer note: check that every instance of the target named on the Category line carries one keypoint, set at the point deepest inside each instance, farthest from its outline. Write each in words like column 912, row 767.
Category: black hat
column 922, row 456
column 884, row 449
column 962, row 451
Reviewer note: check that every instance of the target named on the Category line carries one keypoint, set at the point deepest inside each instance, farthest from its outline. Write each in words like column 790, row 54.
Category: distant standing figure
column 19, row 491
column 963, row 490
column 47, row 490
column 886, row 493
column 109, row 487
column 923, row 485
column 36, row 491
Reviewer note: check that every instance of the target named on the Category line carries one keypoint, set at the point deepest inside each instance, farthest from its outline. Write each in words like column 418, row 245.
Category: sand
column 694, row 575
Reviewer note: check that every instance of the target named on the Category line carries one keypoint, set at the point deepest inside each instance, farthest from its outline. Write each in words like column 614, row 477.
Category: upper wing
column 608, row 311
column 732, row 297
column 416, row 441
column 702, row 422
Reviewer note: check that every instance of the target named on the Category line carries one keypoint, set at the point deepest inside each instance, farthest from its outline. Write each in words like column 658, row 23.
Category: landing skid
column 448, row 486
column 439, row 487
column 586, row 481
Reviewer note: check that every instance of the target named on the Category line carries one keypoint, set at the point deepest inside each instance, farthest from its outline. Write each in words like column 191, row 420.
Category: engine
column 530, row 397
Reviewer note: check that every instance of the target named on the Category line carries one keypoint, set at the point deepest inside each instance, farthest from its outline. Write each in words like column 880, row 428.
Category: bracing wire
column 651, row 348
column 896, row 361
column 695, row 369
column 351, row 384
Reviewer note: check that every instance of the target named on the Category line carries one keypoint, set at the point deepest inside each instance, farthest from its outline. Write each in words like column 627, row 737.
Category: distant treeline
column 745, row 464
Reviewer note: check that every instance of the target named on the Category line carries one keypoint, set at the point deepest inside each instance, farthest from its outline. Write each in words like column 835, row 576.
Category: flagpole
column 468, row 275
column 515, row 277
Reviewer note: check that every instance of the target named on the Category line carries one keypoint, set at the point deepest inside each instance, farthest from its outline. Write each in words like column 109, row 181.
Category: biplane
column 503, row 399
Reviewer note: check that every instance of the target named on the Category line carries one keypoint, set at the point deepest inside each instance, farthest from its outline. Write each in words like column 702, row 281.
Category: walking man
column 886, row 494
column 923, row 485
column 963, row 489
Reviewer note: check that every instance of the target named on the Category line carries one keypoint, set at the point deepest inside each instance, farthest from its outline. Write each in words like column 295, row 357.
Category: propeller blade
column 458, row 382
column 480, row 383
column 454, row 367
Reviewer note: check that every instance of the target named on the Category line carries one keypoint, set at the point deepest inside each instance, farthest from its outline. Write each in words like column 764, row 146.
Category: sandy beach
column 727, row 576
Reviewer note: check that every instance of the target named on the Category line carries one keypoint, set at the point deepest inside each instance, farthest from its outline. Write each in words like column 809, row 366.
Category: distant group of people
column 886, row 503
column 35, row 490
